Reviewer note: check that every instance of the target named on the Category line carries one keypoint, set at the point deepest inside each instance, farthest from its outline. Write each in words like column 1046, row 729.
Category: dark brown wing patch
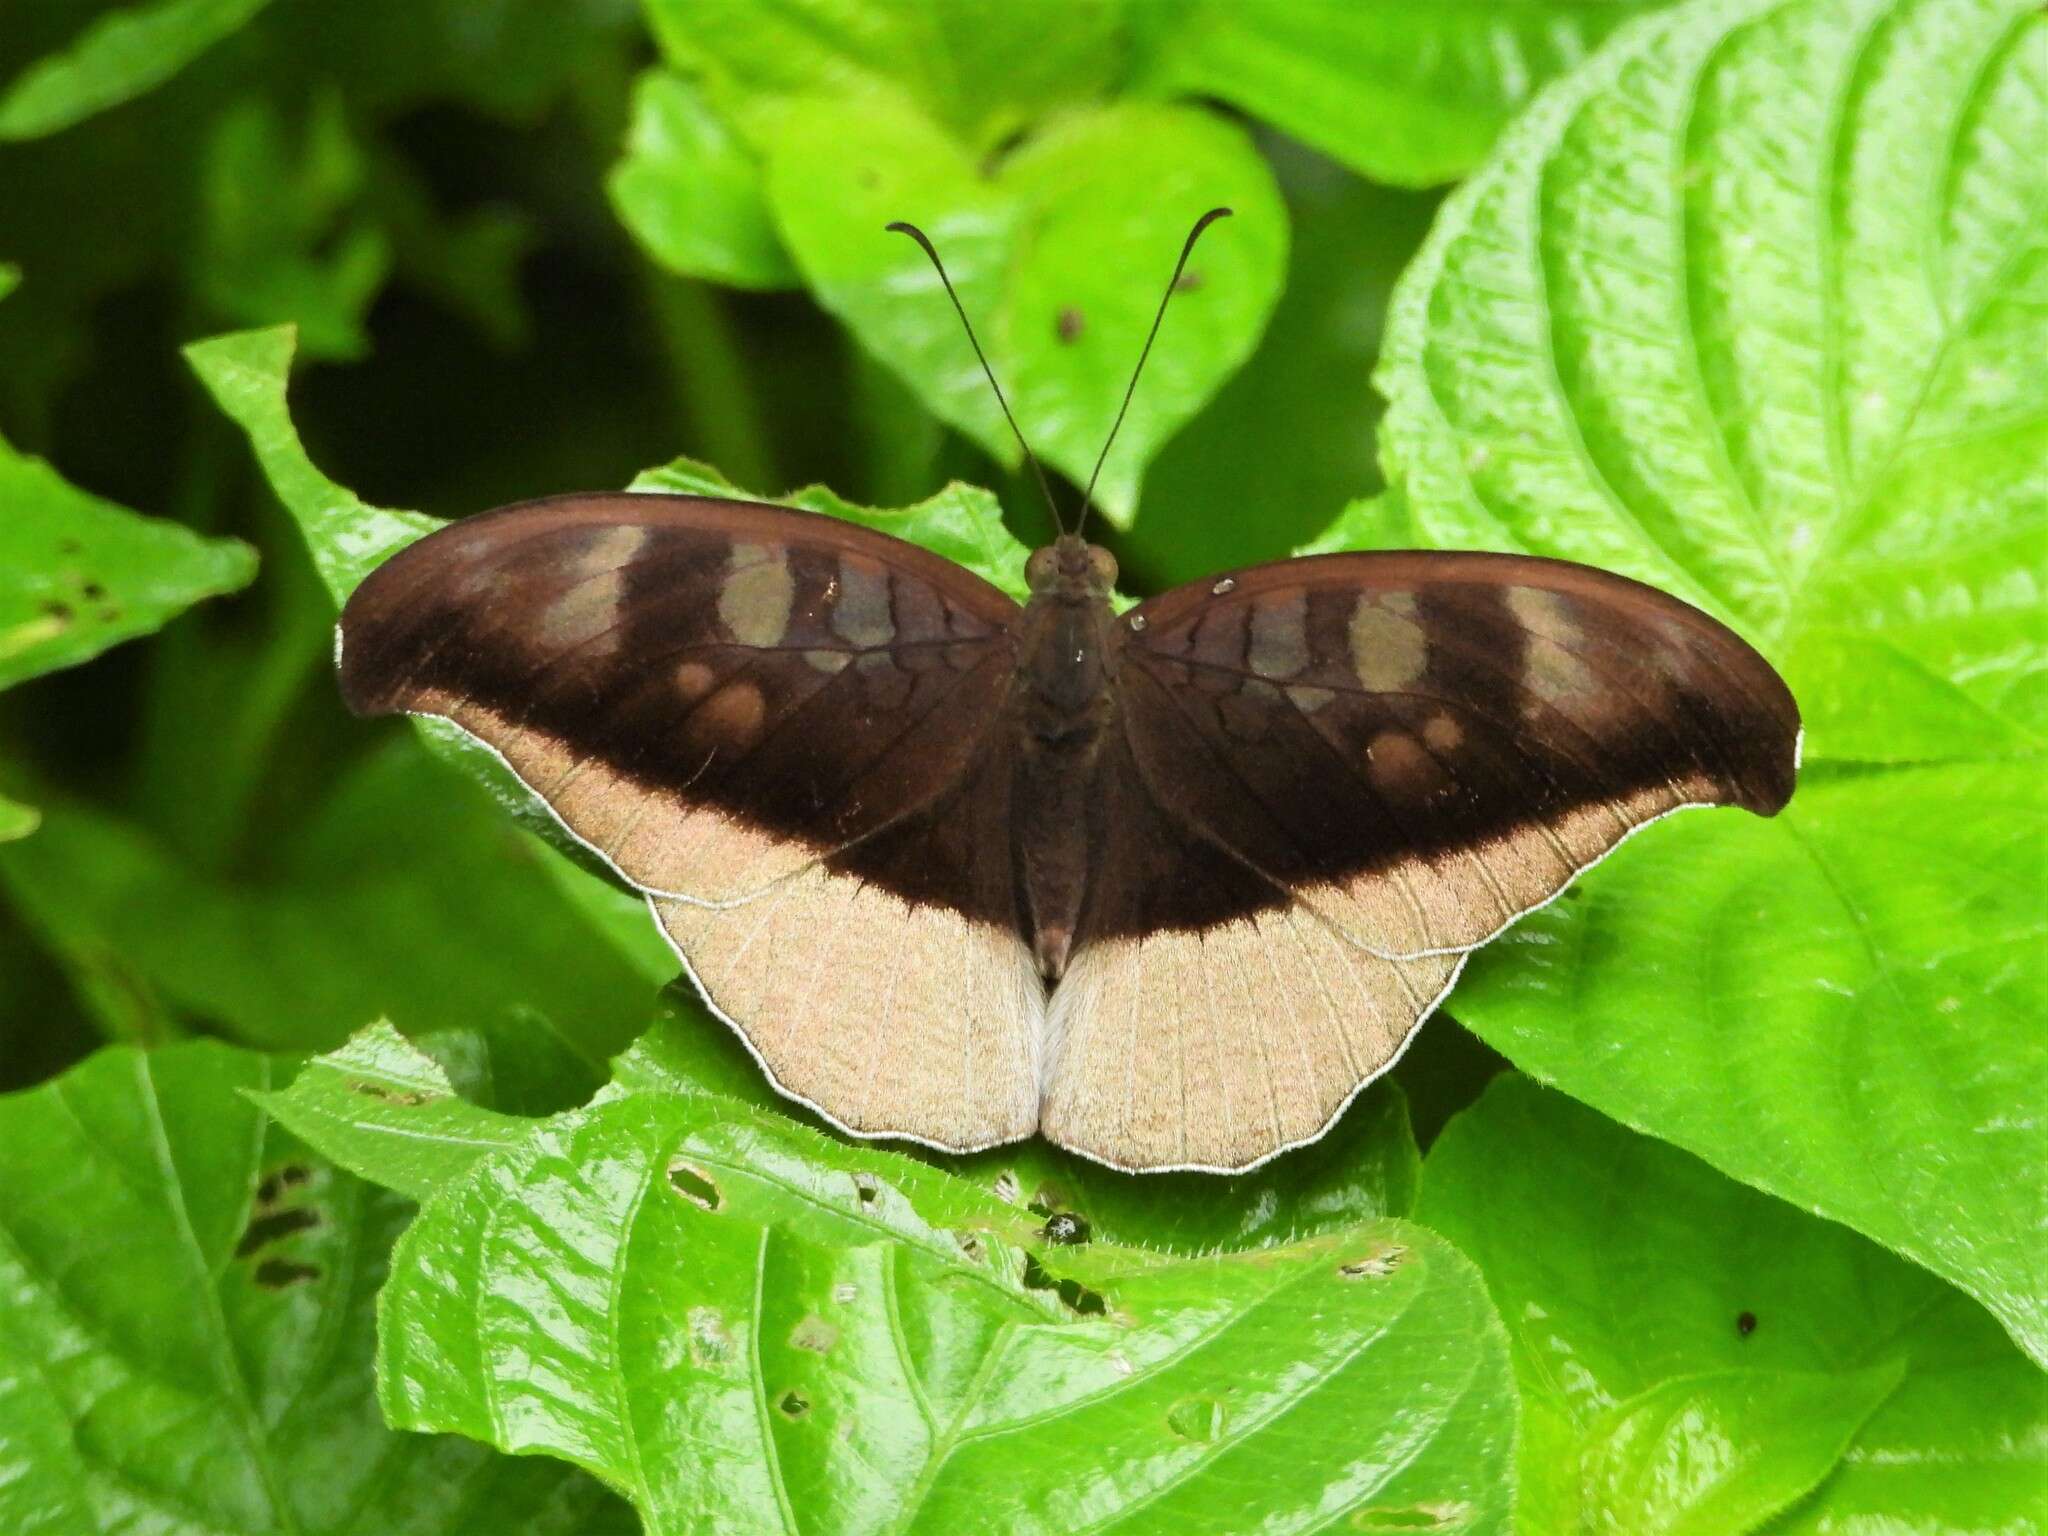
column 709, row 693
column 1424, row 746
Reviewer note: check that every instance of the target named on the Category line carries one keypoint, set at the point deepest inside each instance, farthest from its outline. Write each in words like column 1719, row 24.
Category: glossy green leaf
column 1401, row 93
column 691, row 193
column 1366, row 1167
column 79, row 574
column 1058, row 252
column 979, row 68
column 963, row 522
column 283, row 234
column 1695, row 1356
column 1798, row 385
column 402, row 895
column 387, row 1111
column 16, row 819
column 740, row 1324
column 115, row 58
column 186, row 1344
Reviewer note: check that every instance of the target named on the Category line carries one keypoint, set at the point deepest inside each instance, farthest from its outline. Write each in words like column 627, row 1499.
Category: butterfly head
column 1070, row 567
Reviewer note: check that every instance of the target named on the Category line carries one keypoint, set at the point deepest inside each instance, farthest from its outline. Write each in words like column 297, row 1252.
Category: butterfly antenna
column 1087, row 496
column 902, row 228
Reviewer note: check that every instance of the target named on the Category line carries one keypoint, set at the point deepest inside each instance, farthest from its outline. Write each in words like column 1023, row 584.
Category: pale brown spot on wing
column 860, row 613
column 1389, row 651
column 1551, row 672
column 1307, row 698
column 694, row 680
column 1400, row 765
column 1279, row 635
column 754, row 602
column 731, row 717
column 828, row 661
column 585, row 617
column 1443, row 734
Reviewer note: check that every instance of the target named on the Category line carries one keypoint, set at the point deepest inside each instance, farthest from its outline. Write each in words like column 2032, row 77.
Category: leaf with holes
column 186, row 1344
column 1695, row 1356
column 739, row 1323
column 1401, row 93
column 1752, row 306
column 79, row 574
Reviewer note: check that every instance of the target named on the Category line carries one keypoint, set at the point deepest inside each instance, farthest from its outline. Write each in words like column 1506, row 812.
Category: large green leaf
column 117, row 57
column 79, row 574
column 1694, row 1356
column 402, row 894
column 1797, row 381
column 1058, row 255
column 1410, row 94
column 738, row 1323
column 186, row 1340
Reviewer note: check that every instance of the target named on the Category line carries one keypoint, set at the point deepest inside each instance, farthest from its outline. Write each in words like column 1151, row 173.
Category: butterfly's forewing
column 767, row 720
column 1423, row 746
column 1342, row 774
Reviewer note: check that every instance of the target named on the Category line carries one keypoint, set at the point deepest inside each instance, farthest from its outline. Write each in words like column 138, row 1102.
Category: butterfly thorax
column 1063, row 710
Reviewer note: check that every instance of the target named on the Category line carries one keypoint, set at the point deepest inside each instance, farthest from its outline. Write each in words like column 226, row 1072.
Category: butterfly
column 1168, row 887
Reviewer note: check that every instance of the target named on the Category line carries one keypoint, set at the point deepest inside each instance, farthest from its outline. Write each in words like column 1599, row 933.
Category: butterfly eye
column 1042, row 569
column 1102, row 565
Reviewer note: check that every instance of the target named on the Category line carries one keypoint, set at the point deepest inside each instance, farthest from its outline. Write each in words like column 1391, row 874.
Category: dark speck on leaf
column 61, row 612
column 69, row 547
column 1070, row 325
column 92, row 591
column 265, row 1230
column 1077, row 1297
column 275, row 1183
column 1745, row 1324
column 276, row 1274
column 794, row 1405
column 1066, row 1228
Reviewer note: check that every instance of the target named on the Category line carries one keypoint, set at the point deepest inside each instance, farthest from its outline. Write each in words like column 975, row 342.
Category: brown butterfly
column 1168, row 888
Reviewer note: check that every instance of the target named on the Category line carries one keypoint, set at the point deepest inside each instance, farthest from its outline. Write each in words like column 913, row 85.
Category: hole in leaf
column 1573, row 893
column 1196, row 1418
column 793, row 1405
column 276, row 1274
column 814, row 1334
column 92, row 591
column 1376, row 1265
column 710, row 1341
column 1745, row 1324
column 404, row 1096
column 1006, row 1186
column 265, row 1230
column 844, row 1292
column 694, row 1184
column 1077, row 1297
column 1436, row 1516
column 1065, row 1228
column 866, row 1189
column 278, row 1180
column 1070, row 324
column 970, row 1244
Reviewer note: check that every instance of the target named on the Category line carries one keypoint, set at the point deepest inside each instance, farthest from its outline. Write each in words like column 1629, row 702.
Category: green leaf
column 743, row 1325
column 981, row 69
column 117, row 57
column 283, row 235
column 16, row 819
column 962, row 522
column 1772, row 349
column 1406, row 94
column 79, row 574
column 1366, row 1167
column 1793, row 383
column 187, row 1342
column 1057, row 253
column 401, row 895
column 1695, row 1356
column 691, row 192
column 386, row 1111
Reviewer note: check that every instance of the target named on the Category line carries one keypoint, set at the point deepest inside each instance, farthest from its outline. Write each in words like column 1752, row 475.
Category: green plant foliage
column 79, row 574
column 751, row 1320
column 1778, row 385
column 1401, row 93
column 186, row 1345
column 115, row 58
column 1694, row 1356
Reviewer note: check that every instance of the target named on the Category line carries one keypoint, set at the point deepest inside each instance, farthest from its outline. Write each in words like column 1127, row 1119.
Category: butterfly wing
column 1338, row 776
column 769, row 721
